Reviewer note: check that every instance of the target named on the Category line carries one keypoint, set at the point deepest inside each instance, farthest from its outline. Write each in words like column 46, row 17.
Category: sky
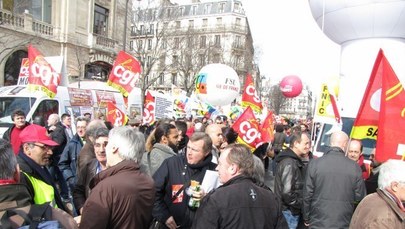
column 290, row 42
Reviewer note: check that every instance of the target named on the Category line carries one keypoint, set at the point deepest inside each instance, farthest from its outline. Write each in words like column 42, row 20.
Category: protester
column 384, row 209
column 215, row 133
column 239, row 203
column 161, row 144
column 289, row 177
column 355, row 153
column 81, row 190
column 34, row 156
column 12, row 134
column 121, row 196
column 183, row 138
column 87, row 152
column 372, row 181
column 68, row 160
column 278, row 143
column 66, row 120
column 15, row 195
column 333, row 185
column 175, row 176
column 57, row 132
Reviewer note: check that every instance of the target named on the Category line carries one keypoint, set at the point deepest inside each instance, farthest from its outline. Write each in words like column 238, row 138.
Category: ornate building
column 174, row 41
column 87, row 34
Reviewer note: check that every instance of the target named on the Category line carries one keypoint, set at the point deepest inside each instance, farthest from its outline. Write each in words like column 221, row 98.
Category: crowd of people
column 194, row 174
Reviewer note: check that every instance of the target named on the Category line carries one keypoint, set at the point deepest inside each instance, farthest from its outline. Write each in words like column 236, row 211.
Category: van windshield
column 10, row 104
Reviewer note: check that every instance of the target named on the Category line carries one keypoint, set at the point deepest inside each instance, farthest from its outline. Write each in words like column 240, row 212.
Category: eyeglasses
column 44, row 147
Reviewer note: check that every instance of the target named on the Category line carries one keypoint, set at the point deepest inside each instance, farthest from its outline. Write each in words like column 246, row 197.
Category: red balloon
column 291, row 86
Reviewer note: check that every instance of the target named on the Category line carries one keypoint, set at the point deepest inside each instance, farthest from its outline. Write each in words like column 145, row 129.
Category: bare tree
column 276, row 99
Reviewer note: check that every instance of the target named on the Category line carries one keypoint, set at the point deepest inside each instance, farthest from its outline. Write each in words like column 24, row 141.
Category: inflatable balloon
column 291, row 86
column 217, row 84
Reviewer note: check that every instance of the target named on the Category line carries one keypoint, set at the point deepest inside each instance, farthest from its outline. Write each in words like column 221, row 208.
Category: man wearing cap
column 33, row 158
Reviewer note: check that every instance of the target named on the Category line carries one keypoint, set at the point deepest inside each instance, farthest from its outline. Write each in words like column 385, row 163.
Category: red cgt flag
column 115, row 115
column 41, row 74
column 250, row 96
column 125, row 73
column 247, row 128
column 149, row 109
column 267, row 128
column 382, row 112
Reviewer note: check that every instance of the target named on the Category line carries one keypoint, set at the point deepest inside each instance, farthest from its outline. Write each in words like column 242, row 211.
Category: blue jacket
column 68, row 160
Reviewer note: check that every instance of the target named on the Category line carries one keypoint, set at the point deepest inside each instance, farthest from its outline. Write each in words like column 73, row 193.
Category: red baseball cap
column 36, row 133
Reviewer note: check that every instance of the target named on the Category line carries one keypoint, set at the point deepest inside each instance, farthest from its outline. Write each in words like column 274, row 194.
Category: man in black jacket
column 173, row 178
column 239, row 202
column 289, row 177
column 333, row 185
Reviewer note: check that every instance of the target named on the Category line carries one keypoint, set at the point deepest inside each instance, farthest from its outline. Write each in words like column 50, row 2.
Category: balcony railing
column 25, row 22
column 103, row 43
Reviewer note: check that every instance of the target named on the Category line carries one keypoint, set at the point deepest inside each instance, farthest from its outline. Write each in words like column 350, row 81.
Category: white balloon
column 217, row 84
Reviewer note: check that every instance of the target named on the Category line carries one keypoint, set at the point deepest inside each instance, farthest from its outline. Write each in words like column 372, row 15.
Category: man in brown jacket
column 384, row 209
column 121, row 196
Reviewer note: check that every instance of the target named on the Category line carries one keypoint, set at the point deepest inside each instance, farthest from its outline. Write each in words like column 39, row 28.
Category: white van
column 70, row 100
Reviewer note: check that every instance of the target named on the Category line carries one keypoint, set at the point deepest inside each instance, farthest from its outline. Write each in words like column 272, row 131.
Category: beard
column 173, row 147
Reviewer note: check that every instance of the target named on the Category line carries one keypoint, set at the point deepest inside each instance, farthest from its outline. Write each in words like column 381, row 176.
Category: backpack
column 29, row 217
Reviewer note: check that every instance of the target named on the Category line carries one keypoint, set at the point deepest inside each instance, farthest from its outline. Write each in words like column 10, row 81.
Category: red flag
column 247, row 128
column 250, row 96
column 149, row 109
column 267, row 128
column 382, row 111
column 24, row 72
column 125, row 73
column 41, row 74
column 115, row 115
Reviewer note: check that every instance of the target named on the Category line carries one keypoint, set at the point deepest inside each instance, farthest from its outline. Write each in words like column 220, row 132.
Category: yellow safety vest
column 43, row 192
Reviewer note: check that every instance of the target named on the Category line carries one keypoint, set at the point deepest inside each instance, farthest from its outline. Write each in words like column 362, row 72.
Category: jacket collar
column 125, row 165
column 386, row 196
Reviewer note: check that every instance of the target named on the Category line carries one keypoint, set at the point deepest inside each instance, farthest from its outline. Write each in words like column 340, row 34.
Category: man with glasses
column 34, row 156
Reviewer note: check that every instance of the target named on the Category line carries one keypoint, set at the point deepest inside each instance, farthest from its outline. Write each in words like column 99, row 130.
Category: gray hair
column 8, row 161
column 392, row 170
column 82, row 118
column 241, row 155
column 132, row 142
column 93, row 126
column 258, row 169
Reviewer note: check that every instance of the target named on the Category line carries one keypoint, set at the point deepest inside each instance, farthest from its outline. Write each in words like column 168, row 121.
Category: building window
column 41, row 10
column 201, row 59
column 219, row 20
column 221, row 7
column 149, row 44
column 148, row 61
column 191, row 23
column 161, row 79
column 218, row 40
column 169, row 12
column 194, row 10
column 181, row 11
column 190, row 42
column 174, row 78
column 207, row 8
column 176, row 42
column 178, row 24
column 236, row 7
column 175, row 61
column 217, row 58
column 164, row 43
column 238, row 21
column 140, row 45
column 131, row 45
column 238, row 41
column 205, row 22
column 100, row 20
column 152, row 29
column 203, row 41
